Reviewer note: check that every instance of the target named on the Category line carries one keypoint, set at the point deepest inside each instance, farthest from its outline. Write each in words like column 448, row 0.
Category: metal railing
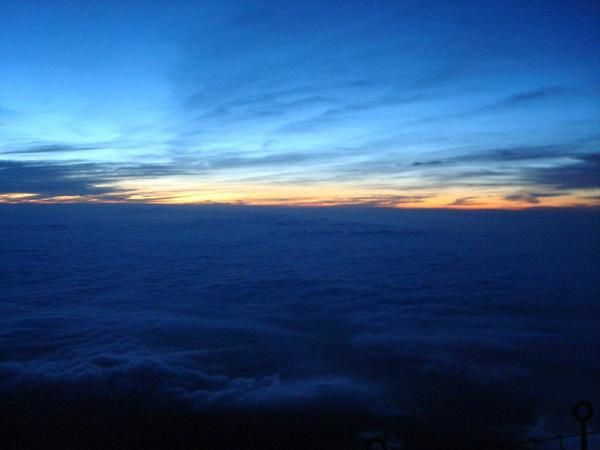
column 582, row 411
column 561, row 441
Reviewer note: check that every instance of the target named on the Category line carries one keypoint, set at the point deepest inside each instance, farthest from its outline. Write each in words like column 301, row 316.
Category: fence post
column 583, row 411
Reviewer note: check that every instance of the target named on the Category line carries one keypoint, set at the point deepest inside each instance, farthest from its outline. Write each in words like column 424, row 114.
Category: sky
column 398, row 103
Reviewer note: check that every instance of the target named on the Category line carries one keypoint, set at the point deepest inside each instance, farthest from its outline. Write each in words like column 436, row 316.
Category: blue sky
column 391, row 103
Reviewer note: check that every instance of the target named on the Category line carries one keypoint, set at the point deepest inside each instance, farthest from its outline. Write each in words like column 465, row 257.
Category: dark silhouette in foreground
column 582, row 411
column 129, row 427
column 126, row 426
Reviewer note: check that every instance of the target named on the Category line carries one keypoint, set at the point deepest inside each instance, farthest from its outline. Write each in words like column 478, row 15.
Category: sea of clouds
column 462, row 319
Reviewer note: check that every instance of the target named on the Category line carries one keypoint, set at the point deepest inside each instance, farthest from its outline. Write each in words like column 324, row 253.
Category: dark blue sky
column 407, row 103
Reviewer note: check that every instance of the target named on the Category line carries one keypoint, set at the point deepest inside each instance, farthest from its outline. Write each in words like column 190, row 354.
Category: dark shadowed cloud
column 561, row 167
column 466, row 201
column 49, row 178
column 583, row 173
column 72, row 178
column 519, row 153
column 533, row 197
column 50, row 148
column 523, row 98
column 514, row 154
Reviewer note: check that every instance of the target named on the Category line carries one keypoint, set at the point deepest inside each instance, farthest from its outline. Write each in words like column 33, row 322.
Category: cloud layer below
column 365, row 311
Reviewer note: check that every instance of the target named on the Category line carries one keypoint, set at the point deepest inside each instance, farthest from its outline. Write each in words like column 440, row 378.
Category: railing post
column 583, row 411
column 562, row 444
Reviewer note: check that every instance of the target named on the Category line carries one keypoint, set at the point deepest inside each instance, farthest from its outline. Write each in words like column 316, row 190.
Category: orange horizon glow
column 315, row 197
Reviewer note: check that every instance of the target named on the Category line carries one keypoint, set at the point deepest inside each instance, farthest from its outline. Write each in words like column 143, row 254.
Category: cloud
column 582, row 173
column 241, row 338
column 49, row 178
column 518, row 99
column 51, row 148
column 435, row 162
column 73, row 178
column 563, row 167
column 511, row 166
column 180, row 383
column 307, row 311
column 379, row 200
column 532, row 197
column 465, row 201
column 516, row 153
column 503, row 166
column 526, row 97
column 519, row 153
column 266, row 104
column 277, row 159
column 349, row 110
